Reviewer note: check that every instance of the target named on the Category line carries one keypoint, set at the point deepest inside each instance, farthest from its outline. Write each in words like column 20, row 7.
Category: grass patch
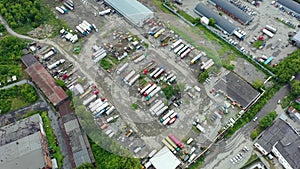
column 30, row 113
column 258, row 43
column 106, row 64
column 134, row 106
column 52, row 143
column 113, row 59
column 168, row 91
column 159, row 4
column 18, row 102
column 251, row 160
column 186, row 16
column 198, row 163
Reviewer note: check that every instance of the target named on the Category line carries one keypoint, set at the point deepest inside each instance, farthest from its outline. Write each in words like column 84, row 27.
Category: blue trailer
column 268, row 60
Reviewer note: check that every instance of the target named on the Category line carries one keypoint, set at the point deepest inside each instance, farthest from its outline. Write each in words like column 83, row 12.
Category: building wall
column 261, row 149
column 281, row 159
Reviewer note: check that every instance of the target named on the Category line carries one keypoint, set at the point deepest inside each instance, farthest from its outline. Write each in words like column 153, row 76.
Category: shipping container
column 156, row 105
column 268, row 33
column 271, row 29
column 157, row 108
column 161, row 111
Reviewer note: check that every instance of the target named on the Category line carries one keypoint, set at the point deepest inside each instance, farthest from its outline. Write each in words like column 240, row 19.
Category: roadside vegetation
column 86, row 166
column 134, row 106
column 10, row 58
column 54, row 149
column 23, row 16
column 16, row 97
column 3, row 31
column 198, row 163
column 265, row 122
column 106, row 64
column 168, row 91
column 253, row 158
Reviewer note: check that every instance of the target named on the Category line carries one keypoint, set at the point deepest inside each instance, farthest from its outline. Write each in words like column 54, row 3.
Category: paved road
column 226, row 147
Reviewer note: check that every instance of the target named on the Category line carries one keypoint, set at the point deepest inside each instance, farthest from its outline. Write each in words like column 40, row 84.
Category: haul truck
column 154, row 92
column 149, row 90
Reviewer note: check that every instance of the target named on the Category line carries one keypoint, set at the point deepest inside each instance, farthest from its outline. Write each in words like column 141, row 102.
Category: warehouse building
column 237, row 90
column 281, row 140
column 290, row 6
column 23, row 145
column 165, row 159
column 224, row 25
column 296, row 39
column 232, row 11
column 132, row 10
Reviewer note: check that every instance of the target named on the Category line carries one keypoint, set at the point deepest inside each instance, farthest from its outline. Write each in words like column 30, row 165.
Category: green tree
column 295, row 85
column 211, row 22
column 60, row 83
column 254, row 134
column 203, row 76
column 168, row 91
column 268, row 119
column 86, row 166
column 257, row 84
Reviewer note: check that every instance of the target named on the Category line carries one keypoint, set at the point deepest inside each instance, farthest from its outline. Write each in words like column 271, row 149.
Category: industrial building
column 23, row 145
column 232, row 11
column 132, row 10
column 79, row 145
column 282, row 141
column 224, row 25
column 165, row 159
column 237, row 90
column 296, row 39
column 290, row 6
column 42, row 78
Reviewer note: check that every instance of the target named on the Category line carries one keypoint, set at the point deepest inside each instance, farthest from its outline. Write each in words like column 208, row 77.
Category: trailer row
column 68, row 5
column 85, row 27
column 172, row 143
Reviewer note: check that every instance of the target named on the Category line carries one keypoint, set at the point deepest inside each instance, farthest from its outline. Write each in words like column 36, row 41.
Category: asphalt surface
column 227, row 146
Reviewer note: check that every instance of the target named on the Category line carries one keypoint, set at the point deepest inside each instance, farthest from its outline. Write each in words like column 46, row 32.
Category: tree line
column 19, row 13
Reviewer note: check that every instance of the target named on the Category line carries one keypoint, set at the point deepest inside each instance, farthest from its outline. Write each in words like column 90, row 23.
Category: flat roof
column 202, row 10
column 164, row 159
column 77, row 140
column 237, row 89
column 292, row 5
column 227, row 6
column 46, row 83
column 20, row 153
column 133, row 10
column 278, row 131
column 20, row 129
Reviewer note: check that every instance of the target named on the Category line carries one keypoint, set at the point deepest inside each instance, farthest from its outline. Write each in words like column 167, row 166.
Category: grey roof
column 297, row 37
column 237, row 89
column 20, row 153
column 227, row 6
column 292, row 5
column 20, row 142
column 278, row 131
column 133, row 10
column 28, row 59
column 20, row 129
column 221, row 22
column 290, row 152
column 77, row 140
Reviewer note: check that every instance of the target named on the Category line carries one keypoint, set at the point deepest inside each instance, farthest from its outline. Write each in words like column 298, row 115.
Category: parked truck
column 139, row 59
column 129, row 75
column 60, row 10
column 271, row 29
column 82, row 31
column 176, row 50
column 56, row 64
column 134, row 79
column 110, row 110
column 89, row 100
column 149, row 90
column 155, row 105
column 105, row 12
column 157, row 34
column 175, row 44
column 154, row 92
column 169, row 113
column 184, row 54
column 196, row 58
column 161, row 111
column 156, row 75
column 268, row 33
column 122, row 68
column 144, row 88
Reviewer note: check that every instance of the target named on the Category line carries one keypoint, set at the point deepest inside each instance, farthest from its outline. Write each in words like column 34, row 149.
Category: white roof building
column 164, row 159
column 132, row 10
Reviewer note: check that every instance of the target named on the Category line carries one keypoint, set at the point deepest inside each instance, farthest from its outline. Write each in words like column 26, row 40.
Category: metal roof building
column 132, row 10
column 237, row 90
column 296, row 39
column 282, row 140
column 232, row 10
column 291, row 5
column 164, row 159
column 202, row 10
column 23, row 141
column 46, row 83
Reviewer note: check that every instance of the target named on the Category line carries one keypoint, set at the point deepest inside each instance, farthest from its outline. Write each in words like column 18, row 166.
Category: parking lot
column 263, row 14
column 200, row 112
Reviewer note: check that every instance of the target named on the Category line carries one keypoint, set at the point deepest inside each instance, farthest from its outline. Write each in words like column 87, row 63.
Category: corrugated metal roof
column 292, row 5
column 133, row 10
column 227, row 6
column 28, row 59
column 201, row 9
column 46, row 83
